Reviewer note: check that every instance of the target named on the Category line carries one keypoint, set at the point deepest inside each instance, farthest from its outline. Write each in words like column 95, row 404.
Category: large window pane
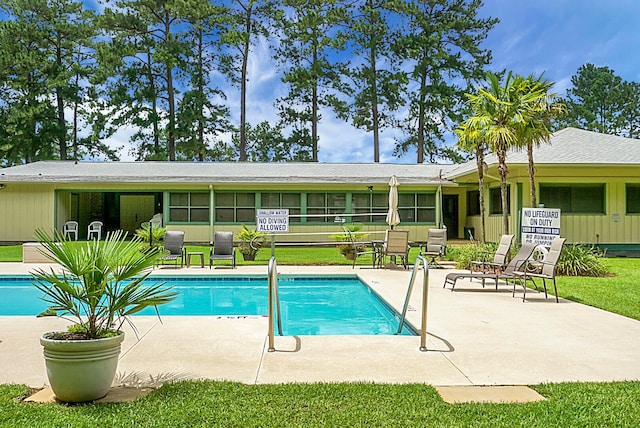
column 473, row 202
column 633, row 198
column 495, row 200
column 179, row 199
column 574, row 198
column 199, row 199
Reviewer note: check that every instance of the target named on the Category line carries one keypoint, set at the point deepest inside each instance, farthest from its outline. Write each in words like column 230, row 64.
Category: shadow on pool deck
column 476, row 336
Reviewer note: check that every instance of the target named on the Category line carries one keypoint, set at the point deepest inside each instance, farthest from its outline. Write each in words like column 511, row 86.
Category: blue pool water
column 310, row 305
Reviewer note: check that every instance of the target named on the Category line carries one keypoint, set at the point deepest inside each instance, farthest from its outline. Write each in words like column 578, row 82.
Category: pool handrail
column 425, row 293
column 273, row 296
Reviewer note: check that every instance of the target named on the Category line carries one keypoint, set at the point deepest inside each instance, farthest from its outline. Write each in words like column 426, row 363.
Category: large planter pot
column 81, row 370
column 248, row 257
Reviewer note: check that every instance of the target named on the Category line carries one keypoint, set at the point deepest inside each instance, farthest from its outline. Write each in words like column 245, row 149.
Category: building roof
column 232, row 172
column 569, row 146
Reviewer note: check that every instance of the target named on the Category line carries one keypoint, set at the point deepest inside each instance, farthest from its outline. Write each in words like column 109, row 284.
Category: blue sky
column 533, row 36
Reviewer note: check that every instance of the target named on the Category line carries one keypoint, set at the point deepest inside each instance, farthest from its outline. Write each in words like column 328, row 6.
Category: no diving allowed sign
column 276, row 220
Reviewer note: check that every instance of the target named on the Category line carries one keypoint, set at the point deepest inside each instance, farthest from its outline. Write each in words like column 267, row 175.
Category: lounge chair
column 223, row 248
column 545, row 269
column 436, row 246
column 514, row 265
column 70, row 228
column 500, row 258
column 396, row 244
column 174, row 246
column 95, row 228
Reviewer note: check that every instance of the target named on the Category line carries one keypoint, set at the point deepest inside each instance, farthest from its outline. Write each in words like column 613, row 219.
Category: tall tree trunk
column 62, row 125
column 314, row 107
column 502, row 167
column 171, row 137
column 243, row 85
column 200, row 130
column 421, row 114
column 480, row 165
column 532, row 179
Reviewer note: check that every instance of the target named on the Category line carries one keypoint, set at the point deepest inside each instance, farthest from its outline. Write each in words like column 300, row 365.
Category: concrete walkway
column 476, row 336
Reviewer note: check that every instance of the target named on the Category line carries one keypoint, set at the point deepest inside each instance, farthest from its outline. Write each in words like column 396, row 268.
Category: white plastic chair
column 70, row 228
column 95, row 228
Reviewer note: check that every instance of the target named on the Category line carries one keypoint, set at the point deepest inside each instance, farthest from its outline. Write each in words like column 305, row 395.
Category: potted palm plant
column 99, row 287
column 349, row 240
column 250, row 242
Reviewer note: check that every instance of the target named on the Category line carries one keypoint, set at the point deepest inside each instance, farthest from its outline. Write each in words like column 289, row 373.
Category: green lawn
column 228, row 404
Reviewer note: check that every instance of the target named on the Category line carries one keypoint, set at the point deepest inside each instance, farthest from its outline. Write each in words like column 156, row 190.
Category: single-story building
column 593, row 178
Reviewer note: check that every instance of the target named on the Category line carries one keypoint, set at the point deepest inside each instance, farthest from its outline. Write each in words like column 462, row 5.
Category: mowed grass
column 228, row 404
column 618, row 293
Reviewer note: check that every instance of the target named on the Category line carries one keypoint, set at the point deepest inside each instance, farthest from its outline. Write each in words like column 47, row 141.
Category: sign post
column 540, row 225
column 272, row 221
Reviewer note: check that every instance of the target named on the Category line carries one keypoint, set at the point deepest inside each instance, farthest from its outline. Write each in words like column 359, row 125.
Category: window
column 189, row 207
column 473, row 202
column 573, row 198
column 417, row 207
column 366, row 203
column 283, row 200
column 633, row 198
column 237, row 207
column 495, row 200
column 325, row 207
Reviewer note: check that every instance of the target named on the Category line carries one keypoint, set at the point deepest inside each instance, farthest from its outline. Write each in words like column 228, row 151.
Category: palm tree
column 500, row 112
column 471, row 140
column 537, row 130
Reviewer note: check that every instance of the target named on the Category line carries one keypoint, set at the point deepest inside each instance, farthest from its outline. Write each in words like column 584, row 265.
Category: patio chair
column 545, row 269
column 223, row 248
column 95, row 228
column 500, row 258
column 174, row 247
column 70, row 228
column 436, row 246
column 396, row 245
column 360, row 249
column 516, row 264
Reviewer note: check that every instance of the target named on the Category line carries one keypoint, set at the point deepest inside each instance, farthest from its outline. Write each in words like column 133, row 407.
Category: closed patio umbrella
column 393, row 218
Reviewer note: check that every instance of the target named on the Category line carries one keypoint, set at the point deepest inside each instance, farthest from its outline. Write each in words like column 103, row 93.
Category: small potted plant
column 99, row 287
column 250, row 242
column 349, row 240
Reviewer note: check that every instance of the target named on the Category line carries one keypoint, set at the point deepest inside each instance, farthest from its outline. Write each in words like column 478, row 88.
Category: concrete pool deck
column 476, row 337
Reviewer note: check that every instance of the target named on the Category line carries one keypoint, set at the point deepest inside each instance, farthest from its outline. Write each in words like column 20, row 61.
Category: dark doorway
column 450, row 215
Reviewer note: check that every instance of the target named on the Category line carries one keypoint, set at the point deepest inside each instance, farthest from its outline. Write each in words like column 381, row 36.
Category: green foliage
column 251, row 240
column 351, row 233
column 465, row 254
column 582, row 260
column 601, row 101
column 101, row 281
column 441, row 43
column 158, row 233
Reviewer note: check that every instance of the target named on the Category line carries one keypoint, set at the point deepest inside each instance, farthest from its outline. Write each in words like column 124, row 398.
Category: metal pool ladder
column 425, row 293
column 273, row 297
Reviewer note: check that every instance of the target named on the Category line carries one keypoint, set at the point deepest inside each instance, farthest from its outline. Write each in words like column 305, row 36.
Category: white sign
column 540, row 225
column 275, row 220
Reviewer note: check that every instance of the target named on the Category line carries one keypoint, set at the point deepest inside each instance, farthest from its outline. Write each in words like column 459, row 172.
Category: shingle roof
column 570, row 146
column 237, row 172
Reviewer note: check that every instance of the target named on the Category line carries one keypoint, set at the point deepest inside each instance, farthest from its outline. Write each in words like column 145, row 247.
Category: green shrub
column 465, row 254
column 582, row 260
column 158, row 234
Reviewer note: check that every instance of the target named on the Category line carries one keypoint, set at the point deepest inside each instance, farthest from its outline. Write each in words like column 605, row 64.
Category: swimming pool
column 310, row 305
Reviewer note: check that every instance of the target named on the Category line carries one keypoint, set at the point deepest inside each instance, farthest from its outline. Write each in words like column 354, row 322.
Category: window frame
column 496, row 209
column 189, row 207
